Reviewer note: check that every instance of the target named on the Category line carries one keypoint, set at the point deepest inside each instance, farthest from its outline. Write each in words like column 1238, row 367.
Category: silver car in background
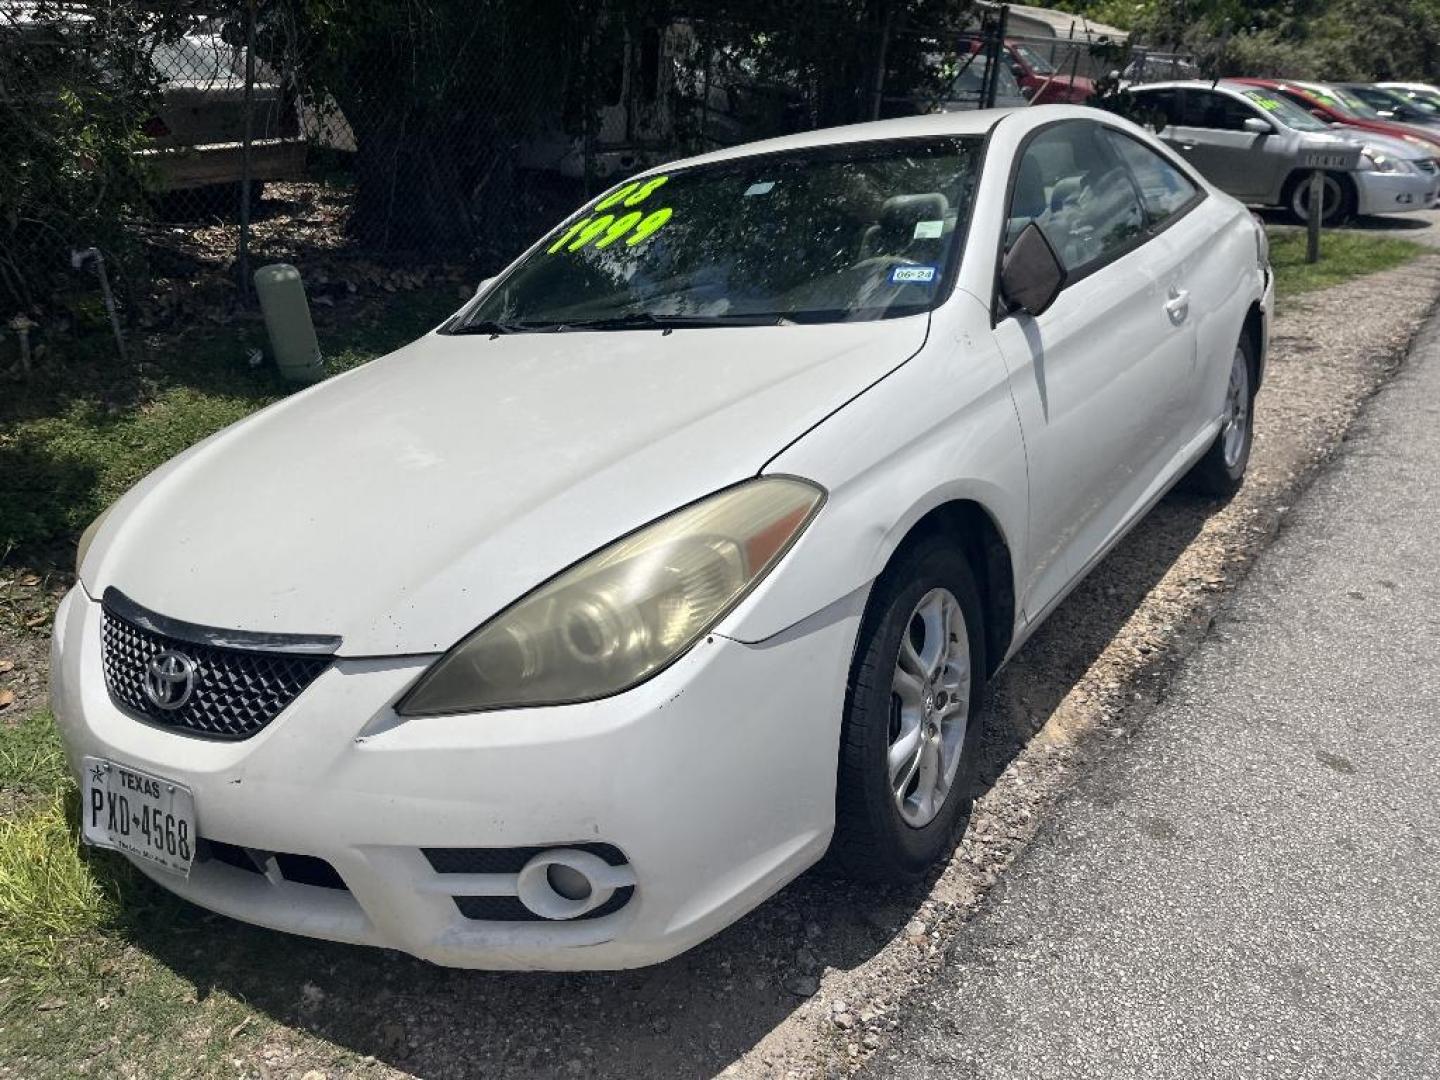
column 1250, row 143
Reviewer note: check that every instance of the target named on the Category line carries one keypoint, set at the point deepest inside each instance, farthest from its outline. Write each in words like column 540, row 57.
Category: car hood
column 1398, row 131
column 403, row 503
column 1397, row 148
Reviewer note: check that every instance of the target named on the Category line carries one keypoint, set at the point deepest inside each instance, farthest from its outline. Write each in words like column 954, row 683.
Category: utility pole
column 877, row 88
column 242, row 255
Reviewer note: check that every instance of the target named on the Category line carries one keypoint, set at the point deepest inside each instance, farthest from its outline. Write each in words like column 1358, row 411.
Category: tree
column 447, row 96
column 76, row 87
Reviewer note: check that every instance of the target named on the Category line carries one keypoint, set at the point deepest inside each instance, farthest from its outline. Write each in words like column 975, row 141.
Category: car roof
column 1232, row 86
column 930, row 125
column 969, row 122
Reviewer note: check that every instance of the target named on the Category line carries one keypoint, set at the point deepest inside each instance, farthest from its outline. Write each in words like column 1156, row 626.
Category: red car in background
column 1040, row 80
column 1326, row 107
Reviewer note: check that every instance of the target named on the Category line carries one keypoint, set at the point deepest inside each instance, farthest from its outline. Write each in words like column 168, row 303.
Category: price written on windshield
column 602, row 229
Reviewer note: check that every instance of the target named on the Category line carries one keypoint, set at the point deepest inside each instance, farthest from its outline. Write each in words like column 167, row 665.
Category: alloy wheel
column 1331, row 199
column 1235, row 429
column 929, row 707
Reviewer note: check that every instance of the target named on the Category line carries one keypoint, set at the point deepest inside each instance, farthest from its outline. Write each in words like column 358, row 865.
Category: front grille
column 236, row 692
column 510, row 909
column 300, row 869
column 507, row 860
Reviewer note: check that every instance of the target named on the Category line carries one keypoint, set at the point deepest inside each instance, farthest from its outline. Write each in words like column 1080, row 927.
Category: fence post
column 994, row 58
column 1317, row 208
column 242, row 254
column 877, row 89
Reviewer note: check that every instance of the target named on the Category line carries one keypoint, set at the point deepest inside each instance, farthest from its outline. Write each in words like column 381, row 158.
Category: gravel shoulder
column 1248, row 889
column 811, row 983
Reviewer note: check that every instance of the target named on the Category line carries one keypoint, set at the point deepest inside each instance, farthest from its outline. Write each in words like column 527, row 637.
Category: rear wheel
column 1222, row 470
column 1337, row 194
column 912, row 718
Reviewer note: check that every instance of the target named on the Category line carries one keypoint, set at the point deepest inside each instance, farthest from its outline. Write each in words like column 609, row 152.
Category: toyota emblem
column 169, row 680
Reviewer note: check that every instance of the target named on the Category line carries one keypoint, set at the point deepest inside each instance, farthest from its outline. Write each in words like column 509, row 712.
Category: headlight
column 88, row 537
column 1378, row 160
column 618, row 617
column 1262, row 242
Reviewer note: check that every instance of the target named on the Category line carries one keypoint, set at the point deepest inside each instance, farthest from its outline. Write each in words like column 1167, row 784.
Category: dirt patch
column 27, row 602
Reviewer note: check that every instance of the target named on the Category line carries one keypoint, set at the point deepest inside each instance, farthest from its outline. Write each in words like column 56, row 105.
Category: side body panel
column 1210, row 245
column 1245, row 164
column 940, row 428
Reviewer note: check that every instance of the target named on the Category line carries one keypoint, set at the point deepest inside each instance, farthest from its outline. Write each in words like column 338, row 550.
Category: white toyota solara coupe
column 566, row 635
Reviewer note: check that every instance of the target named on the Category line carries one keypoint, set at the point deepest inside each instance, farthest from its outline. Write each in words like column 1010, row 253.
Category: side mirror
column 1258, row 126
column 1032, row 275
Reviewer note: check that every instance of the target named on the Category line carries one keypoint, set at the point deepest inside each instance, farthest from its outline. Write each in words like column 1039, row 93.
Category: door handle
column 1187, row 147
column 1178, row 306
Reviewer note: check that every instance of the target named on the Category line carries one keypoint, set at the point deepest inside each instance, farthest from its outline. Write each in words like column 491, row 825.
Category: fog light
column 568, row 882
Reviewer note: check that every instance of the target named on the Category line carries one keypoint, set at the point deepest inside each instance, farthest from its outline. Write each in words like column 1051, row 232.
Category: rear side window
column 1164, row 103
column 1219, row 112
column 1071, row 183
column 1164, row 189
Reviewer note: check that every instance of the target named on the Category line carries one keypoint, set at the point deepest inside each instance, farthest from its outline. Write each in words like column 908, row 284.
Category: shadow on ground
column 1400, row 223
column 690, row 1017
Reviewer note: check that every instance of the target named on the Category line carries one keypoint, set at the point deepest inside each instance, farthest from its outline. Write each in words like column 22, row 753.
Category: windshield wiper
column 646, row 320
column 488, row 326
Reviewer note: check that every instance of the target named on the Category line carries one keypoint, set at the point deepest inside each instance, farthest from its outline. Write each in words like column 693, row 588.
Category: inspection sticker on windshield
column 760, row 188
column 911, row 275
column 929, row 230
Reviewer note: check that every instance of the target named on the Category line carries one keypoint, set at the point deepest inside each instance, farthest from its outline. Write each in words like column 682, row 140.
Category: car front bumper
column 715, row 780
column 1395, row 192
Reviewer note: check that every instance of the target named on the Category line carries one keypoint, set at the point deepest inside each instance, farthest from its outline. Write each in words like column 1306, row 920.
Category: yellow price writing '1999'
column 606, row 229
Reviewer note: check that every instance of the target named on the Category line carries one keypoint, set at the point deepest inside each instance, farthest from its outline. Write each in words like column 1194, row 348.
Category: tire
column 875, row 839
column 1340, row 199
column 1222, row 470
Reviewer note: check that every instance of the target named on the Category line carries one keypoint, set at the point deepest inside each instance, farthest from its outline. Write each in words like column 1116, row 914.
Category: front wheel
column 1337, row 199
column 1222, row 470
column 912, row 718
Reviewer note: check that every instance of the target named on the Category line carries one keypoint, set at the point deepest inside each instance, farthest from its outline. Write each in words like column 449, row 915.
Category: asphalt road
column 1248, row 882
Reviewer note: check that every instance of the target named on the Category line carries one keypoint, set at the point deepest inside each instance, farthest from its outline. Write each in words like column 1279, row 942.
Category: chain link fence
column 416, row 142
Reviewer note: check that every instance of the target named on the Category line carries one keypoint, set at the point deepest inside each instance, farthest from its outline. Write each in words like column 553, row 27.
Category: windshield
column 1284, row 111
column 1334, row 97
column 1383, row 99
column 969, row 83
column 862, row 231
column 1033, row 60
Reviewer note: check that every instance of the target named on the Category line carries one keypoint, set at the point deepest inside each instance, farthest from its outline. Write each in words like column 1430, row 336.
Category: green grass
column 84, row 428
column 1343, row 255
column 31, row 762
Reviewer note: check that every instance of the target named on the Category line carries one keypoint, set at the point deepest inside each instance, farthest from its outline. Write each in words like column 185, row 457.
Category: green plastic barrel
column 287, row 321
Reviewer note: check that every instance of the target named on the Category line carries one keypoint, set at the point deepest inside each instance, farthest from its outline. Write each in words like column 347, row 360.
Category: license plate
column 1316, row 159
column 142, row 815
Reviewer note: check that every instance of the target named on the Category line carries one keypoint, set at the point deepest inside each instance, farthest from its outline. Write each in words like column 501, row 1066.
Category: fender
column 938, row 429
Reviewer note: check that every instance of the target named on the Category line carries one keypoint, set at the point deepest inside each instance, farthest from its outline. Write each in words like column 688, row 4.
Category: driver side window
column 1218, row 112
column 1071, row 184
